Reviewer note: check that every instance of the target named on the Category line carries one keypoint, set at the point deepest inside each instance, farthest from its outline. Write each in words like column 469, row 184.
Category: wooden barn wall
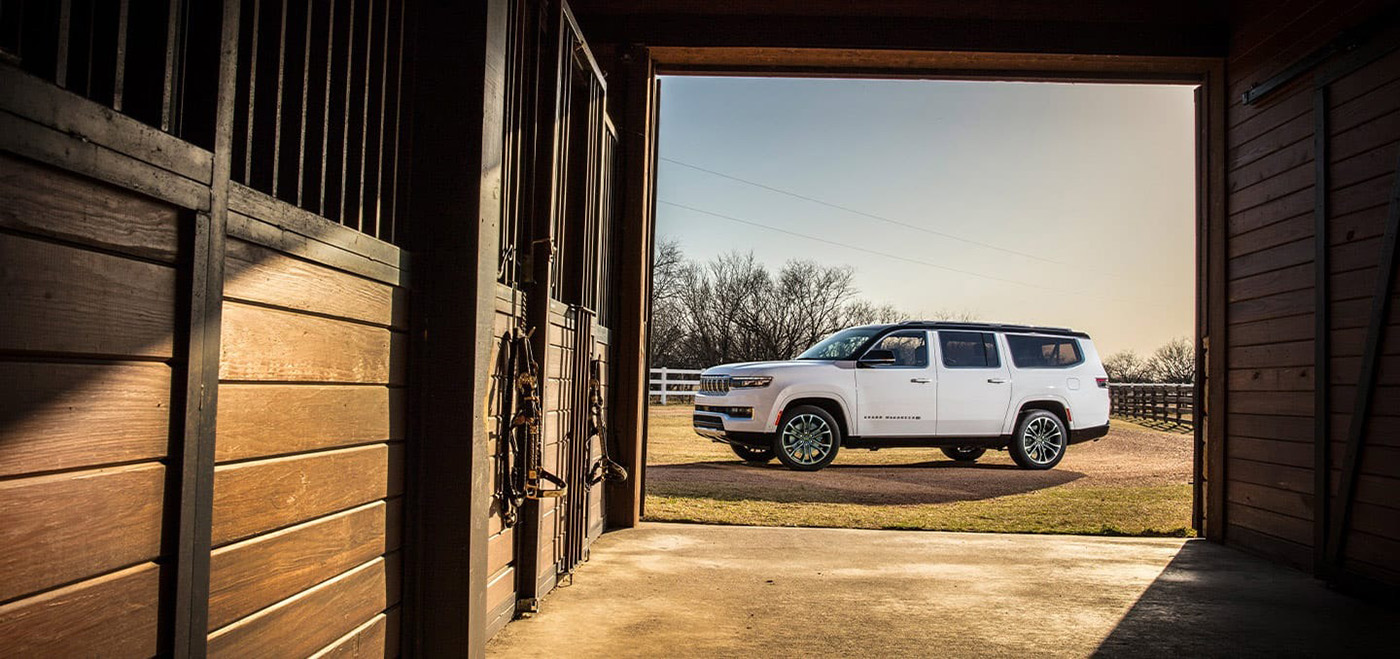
column 558, row 418
column 90, row 287
column 309, row 452
column 1272, row 495
column 501, row 544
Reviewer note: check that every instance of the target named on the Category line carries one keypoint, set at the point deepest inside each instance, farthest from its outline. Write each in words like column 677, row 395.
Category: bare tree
column 667, row 281
column 862, row 312
column 956, row 315
column 1127, row 366
column 1174, row 362
column 733, row 309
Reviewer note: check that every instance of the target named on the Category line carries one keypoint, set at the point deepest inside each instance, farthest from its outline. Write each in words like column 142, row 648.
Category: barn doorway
column 801, row 220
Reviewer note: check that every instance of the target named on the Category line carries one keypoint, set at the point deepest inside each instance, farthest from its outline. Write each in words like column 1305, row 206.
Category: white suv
column 961, row 387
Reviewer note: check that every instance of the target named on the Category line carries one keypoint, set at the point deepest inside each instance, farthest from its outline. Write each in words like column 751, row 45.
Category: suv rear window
column 968, row 350
column 1043, row 351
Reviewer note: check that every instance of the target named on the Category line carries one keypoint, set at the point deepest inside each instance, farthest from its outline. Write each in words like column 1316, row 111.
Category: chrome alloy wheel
column 1042, row 440
column 807, row 439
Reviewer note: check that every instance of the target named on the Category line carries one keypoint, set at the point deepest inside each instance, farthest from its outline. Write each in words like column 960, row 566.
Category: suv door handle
column 919, row 380
column 996, row 380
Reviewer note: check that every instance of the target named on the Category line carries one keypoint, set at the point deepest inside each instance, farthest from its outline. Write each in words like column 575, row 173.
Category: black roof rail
column 992, row 327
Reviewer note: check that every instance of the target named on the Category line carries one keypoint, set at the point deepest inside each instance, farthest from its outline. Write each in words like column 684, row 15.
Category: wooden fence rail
column 664, row 382
column 1168, row 403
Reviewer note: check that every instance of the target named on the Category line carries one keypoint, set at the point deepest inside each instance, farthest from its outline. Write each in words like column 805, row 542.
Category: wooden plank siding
column 1272, row 502
column 310, row 448
column 90, row 297
column 502, row 541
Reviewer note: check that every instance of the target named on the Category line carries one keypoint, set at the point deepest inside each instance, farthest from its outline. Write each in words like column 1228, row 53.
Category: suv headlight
column 749, row 381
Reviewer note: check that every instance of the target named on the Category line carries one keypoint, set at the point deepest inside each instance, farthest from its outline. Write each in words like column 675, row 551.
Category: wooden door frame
column 637, row 102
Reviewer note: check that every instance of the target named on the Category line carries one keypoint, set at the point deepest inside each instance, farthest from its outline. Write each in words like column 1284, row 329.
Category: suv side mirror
column 877, row 358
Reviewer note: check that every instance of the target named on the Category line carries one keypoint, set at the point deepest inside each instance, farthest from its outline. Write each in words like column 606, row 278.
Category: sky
column 1070, row 205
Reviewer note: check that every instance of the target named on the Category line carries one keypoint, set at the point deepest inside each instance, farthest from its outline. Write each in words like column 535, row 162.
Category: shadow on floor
column 866, row 484
column 1217, row 601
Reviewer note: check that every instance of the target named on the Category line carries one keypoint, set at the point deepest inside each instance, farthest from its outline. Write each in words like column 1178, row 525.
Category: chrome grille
column 716, row 385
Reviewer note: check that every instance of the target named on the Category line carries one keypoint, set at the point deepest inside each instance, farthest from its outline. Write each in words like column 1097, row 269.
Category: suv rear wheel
column 751, row 454
column 807, row 439
column 1040, row 440
column 964, row 453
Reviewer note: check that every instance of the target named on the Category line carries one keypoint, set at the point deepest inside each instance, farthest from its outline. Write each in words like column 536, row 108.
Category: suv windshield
column 841, row 345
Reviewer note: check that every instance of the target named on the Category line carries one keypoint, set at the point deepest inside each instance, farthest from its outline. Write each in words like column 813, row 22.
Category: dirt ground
column 1133, row 481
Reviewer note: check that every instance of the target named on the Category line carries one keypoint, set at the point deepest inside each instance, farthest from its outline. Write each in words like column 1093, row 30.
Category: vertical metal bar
column 169, row 109
column 326, row 109
column 305, row 83
column 1321, row 333
column 60, row 74
column 252, row 90
column 91, row 30
column 119, row 77
column 277, row 104
column 1366, row 382
column 398, row 122
column 383, row 94
column 345, row 125
column 364, row 112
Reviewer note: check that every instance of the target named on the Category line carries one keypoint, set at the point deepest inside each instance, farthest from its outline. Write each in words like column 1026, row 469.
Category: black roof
column 991, row 327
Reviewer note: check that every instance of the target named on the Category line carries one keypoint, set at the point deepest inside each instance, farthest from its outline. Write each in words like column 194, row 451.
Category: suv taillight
column 1102, row 382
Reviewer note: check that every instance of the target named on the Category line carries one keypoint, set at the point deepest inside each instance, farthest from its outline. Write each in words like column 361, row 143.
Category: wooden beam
column 66, row 112
column 1366, row 382
column 194, row 453
column 938, row 64
column 855, row 29
column 460, row 63
column 1212, row 297
column 635, row 98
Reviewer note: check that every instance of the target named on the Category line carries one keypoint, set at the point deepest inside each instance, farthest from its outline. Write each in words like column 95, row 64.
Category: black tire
column 761, row 456
column 964, row 453
column 807, row 439
column 1040, row 440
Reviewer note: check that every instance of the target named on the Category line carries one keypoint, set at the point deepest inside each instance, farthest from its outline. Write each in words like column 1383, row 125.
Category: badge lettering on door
column 892, row 418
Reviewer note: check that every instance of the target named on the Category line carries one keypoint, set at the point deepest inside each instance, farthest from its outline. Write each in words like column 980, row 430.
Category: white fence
column 664, row 381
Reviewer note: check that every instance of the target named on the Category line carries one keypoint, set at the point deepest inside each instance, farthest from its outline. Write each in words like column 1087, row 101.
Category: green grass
column 1075, row 508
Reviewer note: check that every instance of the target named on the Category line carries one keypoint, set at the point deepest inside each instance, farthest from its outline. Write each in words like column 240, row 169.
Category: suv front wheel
column 1040, row 440
column 807, row 439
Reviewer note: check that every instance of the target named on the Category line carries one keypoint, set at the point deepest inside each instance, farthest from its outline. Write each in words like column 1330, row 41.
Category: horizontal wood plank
column 259, row 572
column 268, row 235
column 282, row 346
column 50, row 202
column 64, row 527
column 42, row 143
column 263, row 275
column 376, row 639
column 254, row 204
column 68, row 113
column 75, row 415
column 258, row 496
column 65, row 299
column 311, row 620
column 259, row 420
column 116, row 612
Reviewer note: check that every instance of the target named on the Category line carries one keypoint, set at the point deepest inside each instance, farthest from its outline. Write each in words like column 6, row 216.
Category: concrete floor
column 678, row 590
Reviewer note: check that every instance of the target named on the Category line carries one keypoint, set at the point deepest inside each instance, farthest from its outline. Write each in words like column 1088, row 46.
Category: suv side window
column 1043, row 351
column 910, row 347
column 969, row 350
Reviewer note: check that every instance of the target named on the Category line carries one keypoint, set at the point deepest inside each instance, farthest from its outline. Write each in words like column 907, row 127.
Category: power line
column 861, row 213
column 852, row 247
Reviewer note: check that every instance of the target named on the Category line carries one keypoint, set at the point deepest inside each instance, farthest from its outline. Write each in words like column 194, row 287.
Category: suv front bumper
column 732, row 419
